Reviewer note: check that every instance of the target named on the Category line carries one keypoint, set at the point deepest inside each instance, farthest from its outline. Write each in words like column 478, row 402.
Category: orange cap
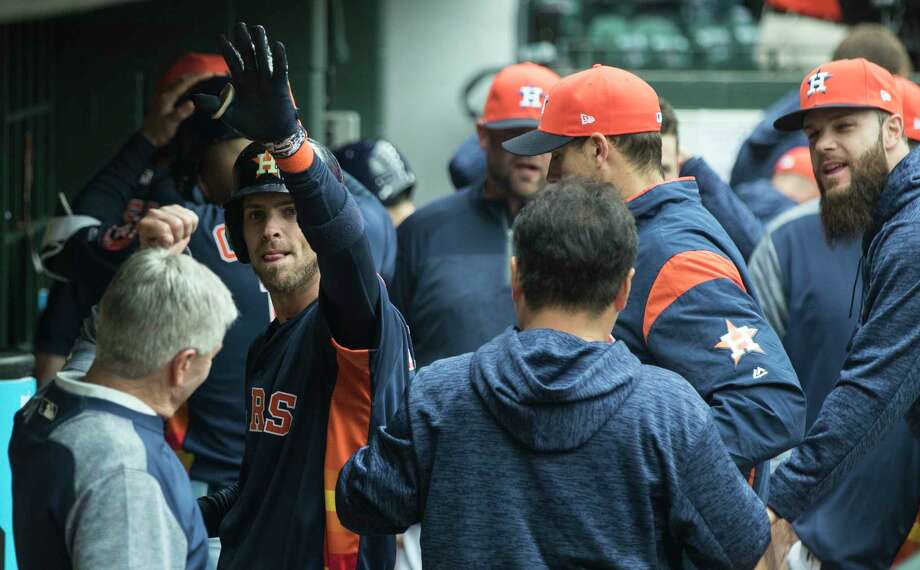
column 192, row 62
column 796, row 161
column 845, row 83
column 910, row 99
column 516, row 96
column 602, row 99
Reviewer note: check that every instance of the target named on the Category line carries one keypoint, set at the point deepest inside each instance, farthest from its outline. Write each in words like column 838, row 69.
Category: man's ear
column 600, row 148
column 179, row 367
column 623, row 293
column 892, row 131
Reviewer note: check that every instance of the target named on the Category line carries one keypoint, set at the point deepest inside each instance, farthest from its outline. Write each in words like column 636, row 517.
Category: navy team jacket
column 691, row 310
column 806, row 288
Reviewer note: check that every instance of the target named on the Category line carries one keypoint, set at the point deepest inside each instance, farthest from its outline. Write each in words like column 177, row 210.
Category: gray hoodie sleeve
column 377, row 490
column 123, row 521
column 767, row 278
column 715, row 514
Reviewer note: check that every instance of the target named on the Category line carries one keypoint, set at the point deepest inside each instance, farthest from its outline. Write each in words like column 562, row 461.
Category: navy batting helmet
column 255, row 172
column 380, row 167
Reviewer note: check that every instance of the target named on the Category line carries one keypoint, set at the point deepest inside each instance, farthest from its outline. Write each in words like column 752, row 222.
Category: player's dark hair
column 879, row 45
column 574, row 243
column 642, row 150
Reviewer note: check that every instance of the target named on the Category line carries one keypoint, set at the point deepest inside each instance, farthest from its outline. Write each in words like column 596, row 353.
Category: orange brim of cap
column 535, row 142
column 794, row 121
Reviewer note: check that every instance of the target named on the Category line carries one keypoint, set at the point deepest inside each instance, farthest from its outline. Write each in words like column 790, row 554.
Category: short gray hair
column 157, row 305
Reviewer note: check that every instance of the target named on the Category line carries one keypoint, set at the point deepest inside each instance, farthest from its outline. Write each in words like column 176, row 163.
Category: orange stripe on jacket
column 177, row 428
column 349, row 421
column 681, row 273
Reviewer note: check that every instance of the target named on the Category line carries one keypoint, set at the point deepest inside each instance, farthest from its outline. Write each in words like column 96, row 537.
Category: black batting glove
column 261, row 106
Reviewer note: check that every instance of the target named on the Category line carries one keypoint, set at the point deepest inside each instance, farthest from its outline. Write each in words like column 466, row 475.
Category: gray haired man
column 94, row 483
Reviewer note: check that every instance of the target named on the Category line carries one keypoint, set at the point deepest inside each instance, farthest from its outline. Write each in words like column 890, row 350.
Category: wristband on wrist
column 287, row 147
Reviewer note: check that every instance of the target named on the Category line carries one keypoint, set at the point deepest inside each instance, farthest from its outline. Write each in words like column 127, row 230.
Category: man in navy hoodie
column 594, row 459
column 851, row 112
column 692, row 311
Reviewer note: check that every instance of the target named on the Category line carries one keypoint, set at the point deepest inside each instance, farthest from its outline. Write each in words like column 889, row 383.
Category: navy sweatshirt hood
column 550, row 390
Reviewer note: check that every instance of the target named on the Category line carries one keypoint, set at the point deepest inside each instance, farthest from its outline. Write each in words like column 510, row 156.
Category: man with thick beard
column 452, row 282
column 851, row 112
column 333, row 362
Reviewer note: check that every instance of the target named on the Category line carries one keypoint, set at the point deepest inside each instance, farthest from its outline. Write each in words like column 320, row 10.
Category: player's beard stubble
column 848, row 214
column 286, row 280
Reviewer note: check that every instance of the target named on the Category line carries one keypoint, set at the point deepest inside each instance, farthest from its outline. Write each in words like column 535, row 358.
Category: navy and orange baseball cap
column 602, row 99
column 843, row 84
column 516, row 96
column 910, row 101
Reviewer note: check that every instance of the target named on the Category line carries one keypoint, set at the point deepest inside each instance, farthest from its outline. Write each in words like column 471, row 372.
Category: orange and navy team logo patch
column 267, row 164
column 739, row 340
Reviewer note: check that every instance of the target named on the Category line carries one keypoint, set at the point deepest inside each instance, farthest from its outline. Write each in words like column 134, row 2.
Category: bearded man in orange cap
column 852, row 113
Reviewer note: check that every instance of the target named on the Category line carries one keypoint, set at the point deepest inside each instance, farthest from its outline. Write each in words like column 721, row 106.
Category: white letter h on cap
column 531, row 97
column 816, row 82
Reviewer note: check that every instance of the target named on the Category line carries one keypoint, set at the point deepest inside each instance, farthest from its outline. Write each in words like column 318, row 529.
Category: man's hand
column 783, row 537
column 169, row 227
column 262, row 108
column 164, row 117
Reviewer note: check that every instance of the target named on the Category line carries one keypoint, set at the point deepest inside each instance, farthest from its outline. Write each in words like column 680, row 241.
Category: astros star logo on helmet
column 816, row 83
column 267, row 164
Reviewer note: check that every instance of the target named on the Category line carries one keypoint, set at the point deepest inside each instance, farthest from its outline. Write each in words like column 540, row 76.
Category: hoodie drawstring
column 859, row 267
